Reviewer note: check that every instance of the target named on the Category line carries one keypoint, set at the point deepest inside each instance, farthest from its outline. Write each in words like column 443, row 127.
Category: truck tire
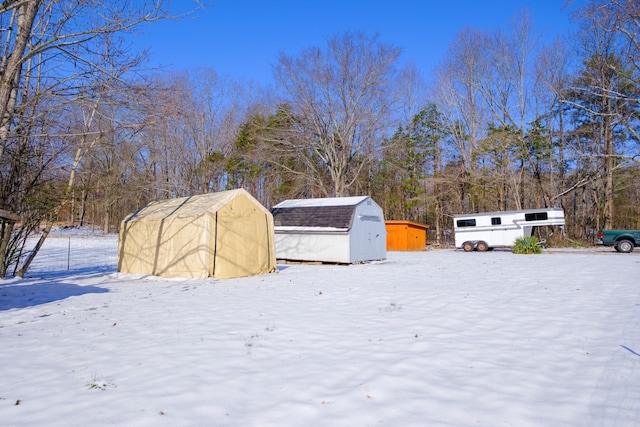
column 467, row 246
column 624, row 246
column 482, row 246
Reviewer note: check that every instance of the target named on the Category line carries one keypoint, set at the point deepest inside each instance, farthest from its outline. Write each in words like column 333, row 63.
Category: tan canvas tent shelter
column 221, row 235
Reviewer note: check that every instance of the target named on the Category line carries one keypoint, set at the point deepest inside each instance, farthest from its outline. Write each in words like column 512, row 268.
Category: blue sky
column 242, row 39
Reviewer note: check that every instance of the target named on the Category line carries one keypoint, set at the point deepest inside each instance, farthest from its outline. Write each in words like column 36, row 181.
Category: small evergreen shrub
column 527, row 245
column 577, row 244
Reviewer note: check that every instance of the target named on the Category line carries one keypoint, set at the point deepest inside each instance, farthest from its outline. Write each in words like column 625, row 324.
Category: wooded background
column 87, row 135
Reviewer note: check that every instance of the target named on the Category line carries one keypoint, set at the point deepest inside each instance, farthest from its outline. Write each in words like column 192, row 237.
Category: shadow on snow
column 29, row 293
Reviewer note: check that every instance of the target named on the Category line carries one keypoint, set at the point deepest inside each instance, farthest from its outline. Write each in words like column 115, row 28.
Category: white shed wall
column 311, row 246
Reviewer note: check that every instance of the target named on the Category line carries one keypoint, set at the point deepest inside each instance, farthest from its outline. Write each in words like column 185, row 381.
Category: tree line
column 87, row 135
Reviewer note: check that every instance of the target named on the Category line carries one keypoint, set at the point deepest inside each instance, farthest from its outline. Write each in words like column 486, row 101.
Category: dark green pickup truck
column 622, row 240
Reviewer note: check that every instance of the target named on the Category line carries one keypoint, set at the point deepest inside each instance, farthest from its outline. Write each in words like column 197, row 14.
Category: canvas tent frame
column 220, row 235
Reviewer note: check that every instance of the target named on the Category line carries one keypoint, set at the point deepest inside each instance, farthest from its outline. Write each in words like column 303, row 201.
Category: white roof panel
column 326, row 201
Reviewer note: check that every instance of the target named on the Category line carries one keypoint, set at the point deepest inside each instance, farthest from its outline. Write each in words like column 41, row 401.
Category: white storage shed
column 336, row 230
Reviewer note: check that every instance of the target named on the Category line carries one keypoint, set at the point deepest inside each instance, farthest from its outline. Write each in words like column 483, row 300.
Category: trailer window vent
column 496, row 221
column 535, row 216
column 466, row 223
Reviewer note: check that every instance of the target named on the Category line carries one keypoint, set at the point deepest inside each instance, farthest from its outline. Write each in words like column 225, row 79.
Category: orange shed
column 406, row 236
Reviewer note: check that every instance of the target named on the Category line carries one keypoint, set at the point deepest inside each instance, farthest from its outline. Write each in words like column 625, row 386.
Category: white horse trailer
column 487, row 230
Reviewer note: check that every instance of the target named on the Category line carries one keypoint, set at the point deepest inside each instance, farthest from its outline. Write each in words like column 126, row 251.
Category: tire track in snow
column 620, row 406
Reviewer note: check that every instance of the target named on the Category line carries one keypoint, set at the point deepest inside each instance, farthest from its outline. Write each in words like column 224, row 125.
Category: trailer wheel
column 467, row 246
column 482, row 246
column 624, row 246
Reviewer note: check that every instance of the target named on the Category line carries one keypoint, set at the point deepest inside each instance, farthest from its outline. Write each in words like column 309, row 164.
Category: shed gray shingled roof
column 314, row 216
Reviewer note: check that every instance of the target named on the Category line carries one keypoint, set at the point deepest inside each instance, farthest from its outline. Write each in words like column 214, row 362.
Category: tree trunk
column 608, row 219
column 105, row 228
column 10, row 73
column 34, row 252
column 8, row 222
column 83, row 207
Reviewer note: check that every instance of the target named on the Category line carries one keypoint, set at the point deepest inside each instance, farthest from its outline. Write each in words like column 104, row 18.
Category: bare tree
column 550, row 83
column 604, row 93
column 341, row 98
column 457, row 94
column 56, row 54
column 194, row 123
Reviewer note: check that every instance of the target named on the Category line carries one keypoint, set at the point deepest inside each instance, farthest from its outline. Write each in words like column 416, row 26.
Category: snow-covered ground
column 436, row 338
